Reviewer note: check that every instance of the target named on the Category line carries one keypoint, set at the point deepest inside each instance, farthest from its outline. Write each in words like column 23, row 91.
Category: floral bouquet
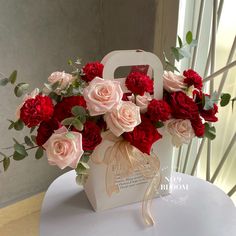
column 74, row 113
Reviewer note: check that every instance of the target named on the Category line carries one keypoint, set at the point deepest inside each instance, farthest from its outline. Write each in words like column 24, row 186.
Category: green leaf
column 11, row 126
column 225, row 99
column 70, row 62
column 159, row 124
column 54, row 96
column 85, row 158
column 175, row 52
column 84, row 164
column 32, row 129
column 210, row 131
column 82, row 168
column 48, row 86
column 180, row 42
column 20, row 89
column 20, row 149
column 68, row 121
column 39, row 153
column 18, row 157
column 78, row 124
column 233, row 100
column 189, row 37
column 33, row 138
column 6, row 163
column 12, row 77
column 78, row 111
column 4, row 81
column 28, row 141
column 172, row 66
column 18, row 125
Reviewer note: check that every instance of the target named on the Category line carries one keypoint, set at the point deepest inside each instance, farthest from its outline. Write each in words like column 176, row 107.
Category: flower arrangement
column 72, row 110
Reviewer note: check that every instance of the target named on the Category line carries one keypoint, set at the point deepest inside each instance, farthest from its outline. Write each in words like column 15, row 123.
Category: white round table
column 194, row 208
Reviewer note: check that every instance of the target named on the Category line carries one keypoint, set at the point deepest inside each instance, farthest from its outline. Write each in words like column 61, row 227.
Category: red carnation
column 45, row 130
column 208, row 115
column 158, row 110
column 183, row 107
column 91, row 70
column 91, row 136
column 143, row 136
column 193, row 78
column 62, row 109
column 198, row 127
column 139, row 83
column 35, row 110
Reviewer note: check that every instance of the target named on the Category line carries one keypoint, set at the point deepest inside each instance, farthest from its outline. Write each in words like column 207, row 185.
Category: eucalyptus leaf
column 39, row 153
column 180, row 42
column 193, row 43
column 184, row 52
column 68, row 121
column 78, row 111
column 210, row 131
column 12, row 77
column 175, row 53
column 78, row 124
column 20, row 149
column 28, row 141
column 18, row 157
column 20, row 89
column 70, row 135
column 11, row 126
column 6, row 163
column 225, row 99
column 4, row 81
column 18, row 125
column 189, row 37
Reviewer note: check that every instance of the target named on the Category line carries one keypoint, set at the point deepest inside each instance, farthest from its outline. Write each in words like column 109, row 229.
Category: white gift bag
column 132, row 188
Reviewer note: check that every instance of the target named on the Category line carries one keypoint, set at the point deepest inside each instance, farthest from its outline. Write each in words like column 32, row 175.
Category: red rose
column 193, row 78
column 91, row 136
column 35, row 110
column 126, row 96
column 143, row 136
column 45, row 130
column 158, row 110
column 198, row 127
column 183, row 107
column 208, row 115
column 62, row 109
column 139, row 83
column 91, row 70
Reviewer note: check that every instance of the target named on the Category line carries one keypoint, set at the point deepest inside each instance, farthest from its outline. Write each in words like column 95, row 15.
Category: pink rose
column 173, row 82
column 64, row 148
column 64, row 80
column 141, row 101
column 102, row 95
column 123, row 118
column 181, row 131
column 33, row 94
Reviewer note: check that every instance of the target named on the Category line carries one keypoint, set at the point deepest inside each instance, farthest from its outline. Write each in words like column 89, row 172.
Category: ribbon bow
column 123, row 159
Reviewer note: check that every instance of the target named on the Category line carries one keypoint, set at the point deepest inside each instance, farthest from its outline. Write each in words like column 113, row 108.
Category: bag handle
column 121, row 58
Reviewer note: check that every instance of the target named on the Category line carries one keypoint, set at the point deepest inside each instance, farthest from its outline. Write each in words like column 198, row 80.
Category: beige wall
column 37, row 37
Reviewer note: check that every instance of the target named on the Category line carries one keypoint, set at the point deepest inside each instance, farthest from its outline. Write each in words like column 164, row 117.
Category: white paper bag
column 132, row 188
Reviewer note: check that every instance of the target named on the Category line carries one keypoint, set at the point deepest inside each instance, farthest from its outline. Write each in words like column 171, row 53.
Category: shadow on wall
column 37, row 38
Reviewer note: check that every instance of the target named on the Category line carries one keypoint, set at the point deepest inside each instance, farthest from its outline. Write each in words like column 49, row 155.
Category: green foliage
column 28, row 141
column 210, row 131
column 6, row 163
column 189, row 37
column 225, row 99
column 39, row 153
column 159, row 124
column 78, row 111
column 18, row 125
column 4, row 81
column 20, row 89
column 12, row 77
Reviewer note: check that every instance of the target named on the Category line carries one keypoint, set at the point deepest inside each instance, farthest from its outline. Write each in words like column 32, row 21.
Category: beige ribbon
column 123, row 159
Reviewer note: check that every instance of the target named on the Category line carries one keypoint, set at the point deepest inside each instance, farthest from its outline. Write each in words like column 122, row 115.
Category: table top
column 194, row 208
